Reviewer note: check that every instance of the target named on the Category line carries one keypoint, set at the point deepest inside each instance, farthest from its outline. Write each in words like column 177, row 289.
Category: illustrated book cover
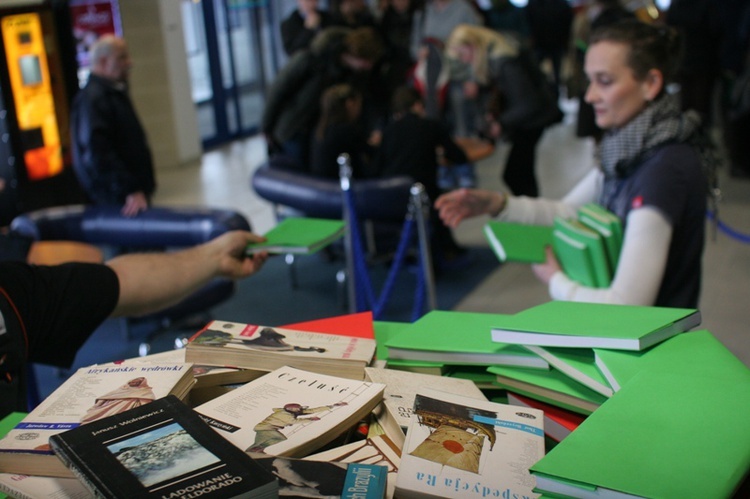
column 457, row 445
column 290, row 412
column 394, row 413
column 299, row 235
column 516, row 242
column 89, row 394
column 681, row 435
column 459, row 338
column 559, row 323
column 558, row 422
column 160, row 450
column 267, row 348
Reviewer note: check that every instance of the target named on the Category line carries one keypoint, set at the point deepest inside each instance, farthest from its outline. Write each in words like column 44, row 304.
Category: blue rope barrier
column 745, row 238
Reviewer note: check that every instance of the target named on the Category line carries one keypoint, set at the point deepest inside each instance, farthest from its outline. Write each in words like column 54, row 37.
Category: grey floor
column 221, row 179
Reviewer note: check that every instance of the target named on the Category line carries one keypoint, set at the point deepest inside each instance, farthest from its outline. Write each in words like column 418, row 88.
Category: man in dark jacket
column 111, row 155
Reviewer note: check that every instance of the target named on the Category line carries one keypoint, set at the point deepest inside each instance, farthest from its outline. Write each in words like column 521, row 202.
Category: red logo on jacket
column 637, row 202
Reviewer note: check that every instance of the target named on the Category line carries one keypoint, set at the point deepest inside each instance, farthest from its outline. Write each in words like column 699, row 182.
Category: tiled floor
column 222, row 179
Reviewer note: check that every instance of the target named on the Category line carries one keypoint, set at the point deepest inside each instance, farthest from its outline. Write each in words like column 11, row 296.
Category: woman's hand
column 545, row 271
column 455, row 206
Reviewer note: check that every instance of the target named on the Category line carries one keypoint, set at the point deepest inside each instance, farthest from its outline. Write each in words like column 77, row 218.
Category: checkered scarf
column 623, row 150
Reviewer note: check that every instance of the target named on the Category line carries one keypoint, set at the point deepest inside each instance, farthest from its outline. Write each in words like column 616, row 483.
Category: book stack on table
column 609, row 401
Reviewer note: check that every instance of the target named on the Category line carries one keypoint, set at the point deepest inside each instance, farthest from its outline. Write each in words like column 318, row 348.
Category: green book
column 567, row 230
column 663, row 435
column 693, row 352
column 299, row 235
column 577, row 363
column 608, row 225
column 550, row 386
column 595, row 325
column 518, row 242
column 384, row 330
column 458, row 338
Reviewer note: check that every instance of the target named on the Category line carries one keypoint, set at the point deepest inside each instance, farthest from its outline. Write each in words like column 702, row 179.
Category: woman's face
column 614, row 92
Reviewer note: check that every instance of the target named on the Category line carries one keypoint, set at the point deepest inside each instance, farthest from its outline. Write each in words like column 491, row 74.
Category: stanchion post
column 419, row 208
column 345, row 177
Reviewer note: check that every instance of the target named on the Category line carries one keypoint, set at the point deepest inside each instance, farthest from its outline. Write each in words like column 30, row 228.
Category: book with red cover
column 558, row 423
column 358, row 324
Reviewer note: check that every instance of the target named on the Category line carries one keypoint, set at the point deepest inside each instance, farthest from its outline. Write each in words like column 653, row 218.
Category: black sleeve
column 57, row 307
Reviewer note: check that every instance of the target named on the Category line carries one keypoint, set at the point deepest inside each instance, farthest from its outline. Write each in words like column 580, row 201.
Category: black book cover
column 162, row 449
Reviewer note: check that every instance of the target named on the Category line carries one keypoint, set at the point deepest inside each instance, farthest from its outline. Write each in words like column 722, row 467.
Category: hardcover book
column 518, row 242
column 458, row 445
column 290, row 412
column 394, row 413
column 268, row 348
column 91, row 393
column 459, row 338
column 160, row 450
column 680, row 435
column 299, row 235
column 304, row 478
column 595, row 325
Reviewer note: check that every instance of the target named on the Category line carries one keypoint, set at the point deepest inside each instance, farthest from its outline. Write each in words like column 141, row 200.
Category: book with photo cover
column 306, row 478
column 163, row 449
column 457, row 445
column 89, row 394
column 267, row 348
column 290, row 412
column 300, row 235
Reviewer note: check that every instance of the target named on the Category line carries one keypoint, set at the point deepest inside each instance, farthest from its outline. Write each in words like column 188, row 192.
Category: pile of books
column 587, row 247
column 562, row 399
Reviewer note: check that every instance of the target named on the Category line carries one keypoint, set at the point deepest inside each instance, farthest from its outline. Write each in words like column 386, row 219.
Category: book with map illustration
column 290, row 412
column 456, row 444
column 267, row 348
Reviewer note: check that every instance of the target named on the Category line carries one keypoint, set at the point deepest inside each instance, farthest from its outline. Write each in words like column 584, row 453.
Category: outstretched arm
column 152, row 281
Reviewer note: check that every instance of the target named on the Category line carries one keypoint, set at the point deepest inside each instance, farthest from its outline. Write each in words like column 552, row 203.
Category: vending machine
column 38, row 74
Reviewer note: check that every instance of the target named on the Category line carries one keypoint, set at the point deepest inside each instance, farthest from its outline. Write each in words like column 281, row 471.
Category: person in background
column 550, row 22
column 351, row 14
column 337, row 55
column 415, row 145
column 652, row 163
column 301, row 26
column 340, row 131
column 48, row 312
column 111, row 155
column 507, row 88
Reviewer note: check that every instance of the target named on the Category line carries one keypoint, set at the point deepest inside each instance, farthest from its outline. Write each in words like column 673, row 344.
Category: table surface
column 57, row 252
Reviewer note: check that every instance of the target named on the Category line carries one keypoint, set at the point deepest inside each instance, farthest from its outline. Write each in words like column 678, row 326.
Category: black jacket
column 111, row 155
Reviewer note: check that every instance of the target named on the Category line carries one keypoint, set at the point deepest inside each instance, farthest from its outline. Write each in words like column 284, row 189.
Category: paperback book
column 581, row 253
column 90, row 394
column 394, row 413
column 577, row 363
column 299, row 235
column 290, row 412
column 42, row 487
column 516, row 242
column 267, row 348
column 457, row 445
column 558, row 422
column 560, row 323
column 160, row 450
column 459, row 338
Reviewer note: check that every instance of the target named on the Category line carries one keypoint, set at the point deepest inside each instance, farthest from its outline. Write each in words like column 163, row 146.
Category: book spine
column 61, row 451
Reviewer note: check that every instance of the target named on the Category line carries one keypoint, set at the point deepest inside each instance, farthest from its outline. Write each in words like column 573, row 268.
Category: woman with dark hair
column 652, row 160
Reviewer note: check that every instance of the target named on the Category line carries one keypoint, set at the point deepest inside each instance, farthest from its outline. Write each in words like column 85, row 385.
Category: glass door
column 230, row 52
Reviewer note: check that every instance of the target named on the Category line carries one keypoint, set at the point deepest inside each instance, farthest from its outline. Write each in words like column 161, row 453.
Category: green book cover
column 604, row 217
column 10, row 421
column 575, row 259
column 577, row 363
column 595, row 325
column 458, row 338
column 300, row 235
column 518, row 242
column 575, row 230
column 384, row 330
column 608, row 226
column 693, row 352
column 663, row 435
column 550, row 386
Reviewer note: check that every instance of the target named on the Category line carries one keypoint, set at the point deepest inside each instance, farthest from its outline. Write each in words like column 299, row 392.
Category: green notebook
column 576, row 363
column 568, row 230
column 663, row 435
column 595, row 325
column 550, row 386
column 518, row 242
column 299, row 235
column 458, row 338
column 384, row 330
column 608, row 225
column 693, row 352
